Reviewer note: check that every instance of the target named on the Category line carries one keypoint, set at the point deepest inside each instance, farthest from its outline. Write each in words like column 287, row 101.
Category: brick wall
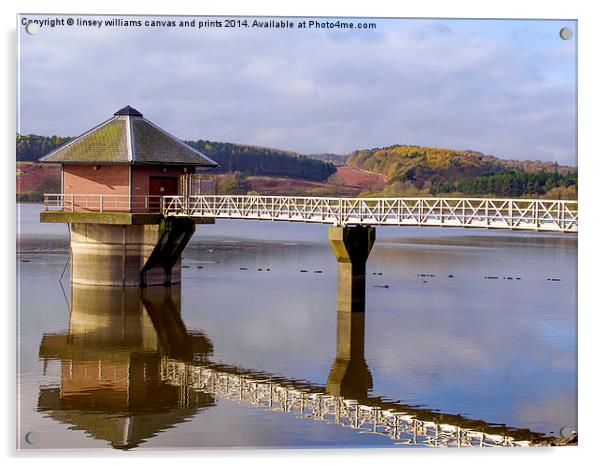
column 112, row 180
column 84, row 179
column 109, row 180
column 142, row 173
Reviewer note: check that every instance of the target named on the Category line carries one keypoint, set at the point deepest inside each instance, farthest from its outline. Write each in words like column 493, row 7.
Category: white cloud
column 448, row 84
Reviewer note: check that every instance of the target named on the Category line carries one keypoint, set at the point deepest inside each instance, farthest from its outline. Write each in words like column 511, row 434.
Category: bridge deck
column 508, row 214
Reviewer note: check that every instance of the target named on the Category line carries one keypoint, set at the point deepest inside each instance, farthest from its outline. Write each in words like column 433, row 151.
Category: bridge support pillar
column 128, row 255
column 351, row 247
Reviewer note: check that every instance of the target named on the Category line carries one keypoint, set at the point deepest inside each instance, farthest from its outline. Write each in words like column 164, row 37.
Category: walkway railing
column 102, row 203
column 310, row 402
column 510, row 214
column 514, row 214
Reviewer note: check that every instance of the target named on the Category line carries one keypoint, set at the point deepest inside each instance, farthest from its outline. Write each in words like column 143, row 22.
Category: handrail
column 493, row 213
column 514, row 214
column 102, row 203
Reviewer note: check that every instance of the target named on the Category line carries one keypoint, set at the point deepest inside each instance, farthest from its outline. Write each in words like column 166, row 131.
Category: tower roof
column 128, row 137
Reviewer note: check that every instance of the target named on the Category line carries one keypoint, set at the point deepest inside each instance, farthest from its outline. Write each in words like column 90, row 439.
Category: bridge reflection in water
column 130, row 369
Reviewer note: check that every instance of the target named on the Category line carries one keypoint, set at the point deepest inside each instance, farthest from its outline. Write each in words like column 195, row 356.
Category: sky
column 501, row 87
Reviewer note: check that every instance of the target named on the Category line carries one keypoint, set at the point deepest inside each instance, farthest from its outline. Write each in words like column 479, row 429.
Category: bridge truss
column 511, row 214
column 508, row 214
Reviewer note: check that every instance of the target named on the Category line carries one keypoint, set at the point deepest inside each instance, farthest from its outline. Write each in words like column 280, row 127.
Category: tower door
column 161, row 186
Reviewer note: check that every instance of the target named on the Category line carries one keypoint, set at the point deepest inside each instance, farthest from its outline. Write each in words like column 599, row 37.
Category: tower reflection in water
column 111, row 385
column 130, row 369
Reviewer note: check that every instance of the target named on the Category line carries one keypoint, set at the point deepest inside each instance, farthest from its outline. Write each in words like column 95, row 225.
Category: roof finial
column 129, row 111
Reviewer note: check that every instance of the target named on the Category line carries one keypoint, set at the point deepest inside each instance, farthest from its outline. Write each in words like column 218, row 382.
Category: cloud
column 486, row 86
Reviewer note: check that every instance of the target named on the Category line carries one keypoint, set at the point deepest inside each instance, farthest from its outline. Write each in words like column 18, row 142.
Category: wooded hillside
column 31, row 147
column 406, row 170
column 253, row 160
column 416, row 170
column 249, row 160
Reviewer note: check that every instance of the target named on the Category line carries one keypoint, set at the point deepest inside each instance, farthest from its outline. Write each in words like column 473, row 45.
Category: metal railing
column 102, row 203
column 310, row 402
column 510, row 214
column 513, row 214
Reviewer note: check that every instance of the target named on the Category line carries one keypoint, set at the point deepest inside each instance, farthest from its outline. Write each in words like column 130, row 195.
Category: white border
column 590, row 77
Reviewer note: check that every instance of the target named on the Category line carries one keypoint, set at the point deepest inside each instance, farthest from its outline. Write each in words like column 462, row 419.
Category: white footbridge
column 510, row 214
column 505, row 214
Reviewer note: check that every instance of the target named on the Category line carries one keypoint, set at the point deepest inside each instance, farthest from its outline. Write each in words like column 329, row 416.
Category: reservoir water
column 476, row 325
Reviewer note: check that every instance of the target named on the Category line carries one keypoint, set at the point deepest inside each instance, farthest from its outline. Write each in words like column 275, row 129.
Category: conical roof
column 128, row 137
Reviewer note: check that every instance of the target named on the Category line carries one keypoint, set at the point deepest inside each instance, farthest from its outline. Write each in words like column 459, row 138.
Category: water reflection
column 350, row 376
column 110, row 359
column 130, row 369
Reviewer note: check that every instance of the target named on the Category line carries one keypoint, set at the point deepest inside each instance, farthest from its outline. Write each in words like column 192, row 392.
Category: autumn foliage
column 416, row 170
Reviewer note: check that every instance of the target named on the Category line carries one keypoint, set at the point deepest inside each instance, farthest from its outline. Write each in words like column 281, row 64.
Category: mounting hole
column 31, row 437
column 567, row 431
column 566, row 33
column 32, row 28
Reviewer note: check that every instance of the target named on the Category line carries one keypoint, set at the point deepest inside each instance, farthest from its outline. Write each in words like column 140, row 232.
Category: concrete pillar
column 114, row 255
column 349, row 375
column 351, row 247
column 128, row 255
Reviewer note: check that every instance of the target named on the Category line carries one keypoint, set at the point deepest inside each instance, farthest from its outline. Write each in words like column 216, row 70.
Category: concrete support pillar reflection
column 349, row 375
column 351, row 247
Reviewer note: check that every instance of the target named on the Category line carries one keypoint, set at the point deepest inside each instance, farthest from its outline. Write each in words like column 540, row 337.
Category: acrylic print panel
column 296, row 232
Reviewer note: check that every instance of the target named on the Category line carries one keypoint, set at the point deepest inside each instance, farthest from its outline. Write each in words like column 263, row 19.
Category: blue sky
column 502, row 87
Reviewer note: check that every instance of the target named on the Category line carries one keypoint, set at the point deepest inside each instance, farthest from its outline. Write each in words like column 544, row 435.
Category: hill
column 253, row 160
column 250, row 160
column 337, row 159
column 35, row 179
column 31, row 147
column 417, row 170
column 399, row 170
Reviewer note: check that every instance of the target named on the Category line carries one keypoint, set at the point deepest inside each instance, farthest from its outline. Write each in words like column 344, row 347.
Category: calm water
column 92, row 362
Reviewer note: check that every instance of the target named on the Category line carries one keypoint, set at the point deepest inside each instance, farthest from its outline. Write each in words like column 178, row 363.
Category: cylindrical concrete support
column 351, row 247
column 114, row 255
